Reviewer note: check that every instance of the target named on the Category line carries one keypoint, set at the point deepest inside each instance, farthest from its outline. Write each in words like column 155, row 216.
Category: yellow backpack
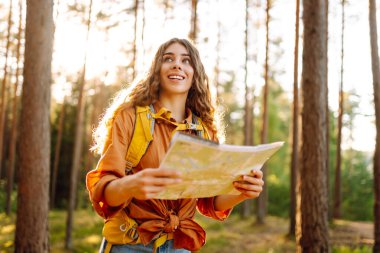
column 120, row 228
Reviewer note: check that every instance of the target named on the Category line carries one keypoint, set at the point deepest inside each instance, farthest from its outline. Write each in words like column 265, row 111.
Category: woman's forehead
column 176, row 48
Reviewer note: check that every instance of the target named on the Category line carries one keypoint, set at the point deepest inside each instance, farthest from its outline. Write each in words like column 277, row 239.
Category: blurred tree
column 295, row 118
column 57, row 150
column 13, row 138
column 234, row 113
column 337, row 186
column 3, row 98
column 143, row 29
column 262, row 201
column 134, row 46
column 194, row 28
column 376, row 92
column 312, row 233
column 168, row 6
column 32, row 233
column 326, row 71
column 246, row 206
column 78, row 144
column 357, row 187
column 278, row 129
column 217, row 61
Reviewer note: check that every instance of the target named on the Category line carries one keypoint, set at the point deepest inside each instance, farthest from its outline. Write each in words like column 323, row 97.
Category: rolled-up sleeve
column 206, row 207
column 112, row 163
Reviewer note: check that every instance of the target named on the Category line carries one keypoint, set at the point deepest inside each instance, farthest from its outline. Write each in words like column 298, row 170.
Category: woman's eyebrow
column 170, row 53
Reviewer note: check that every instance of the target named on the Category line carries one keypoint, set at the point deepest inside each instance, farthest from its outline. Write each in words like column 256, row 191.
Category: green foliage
column 357, row 186
column 86, row 234
column 234, row 113
column 345, row 249
column 278, row 167
column 66, row 153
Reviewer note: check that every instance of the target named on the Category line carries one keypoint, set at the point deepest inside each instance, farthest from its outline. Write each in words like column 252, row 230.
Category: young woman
column 177, row 87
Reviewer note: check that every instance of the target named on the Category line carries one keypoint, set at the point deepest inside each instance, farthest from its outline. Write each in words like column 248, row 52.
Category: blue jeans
column 167, row 247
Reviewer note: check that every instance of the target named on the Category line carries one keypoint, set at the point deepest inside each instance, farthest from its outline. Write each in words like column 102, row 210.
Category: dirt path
column 351, row 233
column 244, row 236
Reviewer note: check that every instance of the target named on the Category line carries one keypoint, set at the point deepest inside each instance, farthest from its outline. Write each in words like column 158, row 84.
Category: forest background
column 102, row 46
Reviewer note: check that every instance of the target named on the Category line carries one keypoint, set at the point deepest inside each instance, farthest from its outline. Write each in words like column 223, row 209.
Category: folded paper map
column 209, row 169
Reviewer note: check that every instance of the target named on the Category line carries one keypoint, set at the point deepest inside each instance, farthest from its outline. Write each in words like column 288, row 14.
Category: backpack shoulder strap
column 141, row 137
column 204, row 132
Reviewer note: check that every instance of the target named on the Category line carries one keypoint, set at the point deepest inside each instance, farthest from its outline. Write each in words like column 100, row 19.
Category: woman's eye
column 167, row 59
column 187, row 61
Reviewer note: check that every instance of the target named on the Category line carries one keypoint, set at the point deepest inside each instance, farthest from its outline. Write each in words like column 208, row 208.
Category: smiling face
column 176, row 73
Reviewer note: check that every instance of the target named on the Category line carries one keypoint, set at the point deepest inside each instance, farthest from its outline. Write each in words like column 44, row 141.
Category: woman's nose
column 176, row 65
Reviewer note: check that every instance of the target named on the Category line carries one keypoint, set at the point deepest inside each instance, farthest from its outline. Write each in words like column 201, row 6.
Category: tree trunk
column 194, row 28
column 376, row 92
column 3, row 84
column 217, row 61
column 13, row 138
column 337, row 187
column 57, row 151
column 134, row 50
column 294, row 157
column 32, row 233
column 261, row 211
column 246, row 206
column 77, row 152
column 314, row 197
column 143, row 30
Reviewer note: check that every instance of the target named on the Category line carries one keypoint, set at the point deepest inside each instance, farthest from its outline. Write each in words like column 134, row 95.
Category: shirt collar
column 168, row 114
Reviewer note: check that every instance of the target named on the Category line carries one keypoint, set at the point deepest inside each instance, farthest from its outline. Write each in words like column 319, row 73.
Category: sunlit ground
column 233, row 235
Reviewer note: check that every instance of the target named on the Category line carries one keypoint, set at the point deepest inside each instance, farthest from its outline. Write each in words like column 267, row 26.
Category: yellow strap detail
column 141, row 137
column 159, row 242
column 108, row 248
column 206, row 134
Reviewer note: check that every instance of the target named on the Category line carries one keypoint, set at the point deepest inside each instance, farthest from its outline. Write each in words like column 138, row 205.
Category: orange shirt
column 155, row 215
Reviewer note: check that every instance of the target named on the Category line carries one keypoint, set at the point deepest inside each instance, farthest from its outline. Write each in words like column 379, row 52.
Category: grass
column 233, row 235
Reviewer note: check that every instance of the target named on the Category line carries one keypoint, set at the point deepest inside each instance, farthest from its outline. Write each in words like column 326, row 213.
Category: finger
column 251, row 180
column 257, row 173
column 145, row 180
column 248, row 187
column 250, row 194
column 149, row 192
column 165, row 181
column 163, row 173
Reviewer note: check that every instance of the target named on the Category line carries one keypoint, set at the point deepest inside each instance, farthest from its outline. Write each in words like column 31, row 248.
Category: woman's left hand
column 250, row 185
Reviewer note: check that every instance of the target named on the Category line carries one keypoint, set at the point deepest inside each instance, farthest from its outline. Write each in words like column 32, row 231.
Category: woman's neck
column 176, row 105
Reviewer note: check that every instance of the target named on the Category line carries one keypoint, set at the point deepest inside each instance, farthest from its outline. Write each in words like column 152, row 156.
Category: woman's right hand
column 145, row 184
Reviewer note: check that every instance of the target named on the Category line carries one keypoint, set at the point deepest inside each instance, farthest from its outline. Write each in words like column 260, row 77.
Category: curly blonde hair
column 146, row 91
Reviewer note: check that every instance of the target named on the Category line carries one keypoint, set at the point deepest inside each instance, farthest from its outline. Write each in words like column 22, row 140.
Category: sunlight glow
column 109, row 51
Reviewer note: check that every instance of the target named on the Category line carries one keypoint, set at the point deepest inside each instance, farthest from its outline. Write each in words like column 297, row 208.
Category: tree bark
column 337, row 187
column 3, row 84
column 78, row 143
column 32, row 233
column 13, row 139
column 294, row 157
column 313, row 184
column 376, row 92
column 327, row 112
